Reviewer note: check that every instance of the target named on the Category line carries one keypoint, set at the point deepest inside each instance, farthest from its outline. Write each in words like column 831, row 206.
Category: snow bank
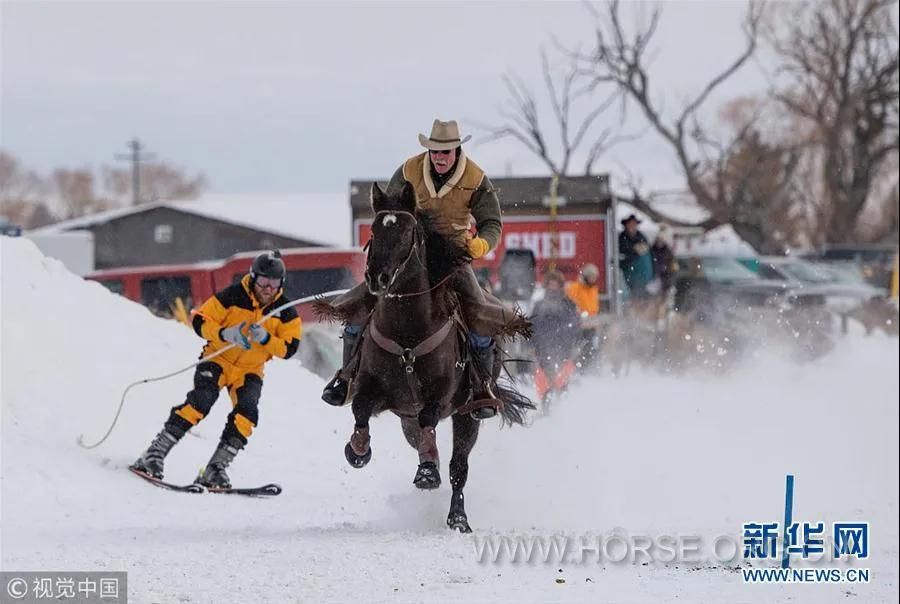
column 646, row 453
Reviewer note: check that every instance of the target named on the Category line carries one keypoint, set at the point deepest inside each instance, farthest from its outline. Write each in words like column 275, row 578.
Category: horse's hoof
column 357, row 461
column 483, row 413
column 459, row 522
column 427, row 476
column 335, row 392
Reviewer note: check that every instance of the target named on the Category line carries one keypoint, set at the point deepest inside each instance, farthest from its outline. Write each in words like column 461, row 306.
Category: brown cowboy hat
column 444, row 136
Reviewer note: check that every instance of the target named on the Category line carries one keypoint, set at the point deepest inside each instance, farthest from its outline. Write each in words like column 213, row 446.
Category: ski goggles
column 268, row 283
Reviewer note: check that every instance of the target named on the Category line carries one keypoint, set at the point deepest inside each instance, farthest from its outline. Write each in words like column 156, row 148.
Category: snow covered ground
column 646, row 454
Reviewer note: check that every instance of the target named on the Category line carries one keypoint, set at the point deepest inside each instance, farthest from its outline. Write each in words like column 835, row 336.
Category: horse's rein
column 412, row 250
column 413, row 294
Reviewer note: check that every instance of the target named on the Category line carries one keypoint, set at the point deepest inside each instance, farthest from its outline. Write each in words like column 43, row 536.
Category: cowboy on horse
column 414, row 359
column 450, row 191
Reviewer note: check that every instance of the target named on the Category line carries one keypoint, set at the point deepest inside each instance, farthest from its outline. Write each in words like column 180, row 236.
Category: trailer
column 562, row 223
column 165, row 289
column 75, row 249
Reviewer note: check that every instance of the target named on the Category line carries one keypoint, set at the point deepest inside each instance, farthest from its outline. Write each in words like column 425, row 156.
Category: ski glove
column 478, row 247
column 259, row 334
column 234, row 335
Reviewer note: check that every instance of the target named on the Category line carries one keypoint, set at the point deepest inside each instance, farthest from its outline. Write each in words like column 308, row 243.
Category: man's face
column 442, row 160
column 631, row 227
column 265, row 289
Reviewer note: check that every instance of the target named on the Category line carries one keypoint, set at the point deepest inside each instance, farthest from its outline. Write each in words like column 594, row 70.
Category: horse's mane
column 443, row 255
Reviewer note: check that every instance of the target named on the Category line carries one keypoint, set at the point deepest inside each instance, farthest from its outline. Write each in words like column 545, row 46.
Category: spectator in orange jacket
column 585, row 293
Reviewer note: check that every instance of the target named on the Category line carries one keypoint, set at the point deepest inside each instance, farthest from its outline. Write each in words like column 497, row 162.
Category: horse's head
column 395, row 238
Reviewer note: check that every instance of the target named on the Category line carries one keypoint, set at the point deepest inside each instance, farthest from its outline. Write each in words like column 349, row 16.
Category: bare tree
column 887, row 227
column 766, row 208
column 17, row 183
column 40, row 216
column 116, row 183
column 25, row 195
column 22, row 194
column 77, row 194
column 880, row 221
column 709, row 165
column 841, row 61
column 575, row 111
column 159, row 182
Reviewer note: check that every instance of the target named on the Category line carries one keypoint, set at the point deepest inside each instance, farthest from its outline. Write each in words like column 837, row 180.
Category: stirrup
column 483, row 408
column 486, row 412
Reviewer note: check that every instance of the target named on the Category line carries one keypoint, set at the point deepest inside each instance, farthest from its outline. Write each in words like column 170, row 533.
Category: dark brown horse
column 414, row 359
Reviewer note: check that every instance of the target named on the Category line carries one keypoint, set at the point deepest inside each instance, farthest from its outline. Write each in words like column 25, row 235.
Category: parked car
column 712, row 285
column 9, row 229
column 729, row 298
column 842, row 293
column 879, row 312
column 847, row 271
column 875, row 260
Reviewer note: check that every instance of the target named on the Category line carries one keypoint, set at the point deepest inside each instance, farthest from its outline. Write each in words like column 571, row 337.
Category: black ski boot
column 481, row 384
column 152, row 460
column 214, row 475
column 336, row 390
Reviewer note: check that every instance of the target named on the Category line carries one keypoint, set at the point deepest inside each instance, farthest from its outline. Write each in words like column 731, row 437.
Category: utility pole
column 554, row 234
column 135, row 157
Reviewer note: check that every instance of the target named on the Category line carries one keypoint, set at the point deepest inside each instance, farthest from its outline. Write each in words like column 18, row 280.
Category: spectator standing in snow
column 585, row 293
column 634, row 258
column 664, row 264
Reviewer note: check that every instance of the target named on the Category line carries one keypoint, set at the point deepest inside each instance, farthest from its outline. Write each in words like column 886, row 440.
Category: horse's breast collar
column 408, row 355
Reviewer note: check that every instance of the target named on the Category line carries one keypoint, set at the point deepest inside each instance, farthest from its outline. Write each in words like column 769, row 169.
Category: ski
column 266, row 490
column 180, row 488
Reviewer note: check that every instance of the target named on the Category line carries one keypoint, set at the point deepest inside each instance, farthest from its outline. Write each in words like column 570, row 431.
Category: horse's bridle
column 413, row 251
column 407, row 356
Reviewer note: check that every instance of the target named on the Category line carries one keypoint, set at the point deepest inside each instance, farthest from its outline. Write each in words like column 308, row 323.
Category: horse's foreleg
column 410, row 431
column 358, row 451
column 428, row 475
column 465, row 433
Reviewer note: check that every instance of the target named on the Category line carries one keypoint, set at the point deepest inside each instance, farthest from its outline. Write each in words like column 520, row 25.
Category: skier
column 556, row 328
column 223, row 320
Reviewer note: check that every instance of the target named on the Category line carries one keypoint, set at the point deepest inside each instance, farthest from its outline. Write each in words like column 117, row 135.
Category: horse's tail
column 515, row 404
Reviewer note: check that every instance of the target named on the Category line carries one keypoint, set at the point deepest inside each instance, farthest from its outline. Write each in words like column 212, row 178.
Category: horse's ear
column 408, row 198
column 377, row 197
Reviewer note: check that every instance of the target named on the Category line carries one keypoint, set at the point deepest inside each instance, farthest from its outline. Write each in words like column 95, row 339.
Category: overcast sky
column 303, row 96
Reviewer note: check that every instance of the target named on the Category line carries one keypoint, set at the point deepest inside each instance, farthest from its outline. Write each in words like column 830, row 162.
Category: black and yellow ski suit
column 238, row 370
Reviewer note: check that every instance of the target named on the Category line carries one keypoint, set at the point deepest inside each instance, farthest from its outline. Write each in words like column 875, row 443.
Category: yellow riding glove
column 478, row 247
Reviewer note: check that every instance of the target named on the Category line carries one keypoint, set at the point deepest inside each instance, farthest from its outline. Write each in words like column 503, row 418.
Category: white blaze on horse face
column 389, row 220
